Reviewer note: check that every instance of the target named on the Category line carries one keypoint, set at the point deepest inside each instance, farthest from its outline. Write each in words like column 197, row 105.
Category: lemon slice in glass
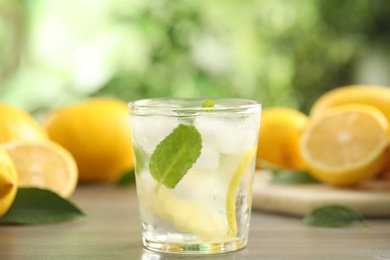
column 203, row 202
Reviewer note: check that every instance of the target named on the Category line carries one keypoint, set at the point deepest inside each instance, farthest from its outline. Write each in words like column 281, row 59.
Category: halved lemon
column 45, row 165
column 347, row 145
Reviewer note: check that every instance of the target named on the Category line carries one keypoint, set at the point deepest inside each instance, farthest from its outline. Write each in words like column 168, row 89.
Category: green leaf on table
column 334, row 216
column 287, row 176
column 127, row 179
column 175, row 155
column 266, row 165
column 292, row 177
column 40, row 206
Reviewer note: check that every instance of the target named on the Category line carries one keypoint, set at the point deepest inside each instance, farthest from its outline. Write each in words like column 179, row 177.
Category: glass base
column 195, row 248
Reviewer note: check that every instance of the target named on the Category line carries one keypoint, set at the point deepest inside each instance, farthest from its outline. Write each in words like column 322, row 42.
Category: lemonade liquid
column 194, row 172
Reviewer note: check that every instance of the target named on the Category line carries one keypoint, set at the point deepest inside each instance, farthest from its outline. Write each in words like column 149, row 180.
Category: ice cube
column 149, row 131
column 208, row 159
column 198, row 204
column 249, row 131
column 230, row 135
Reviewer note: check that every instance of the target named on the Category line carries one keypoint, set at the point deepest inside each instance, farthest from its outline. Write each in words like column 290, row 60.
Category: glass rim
column 169, row 104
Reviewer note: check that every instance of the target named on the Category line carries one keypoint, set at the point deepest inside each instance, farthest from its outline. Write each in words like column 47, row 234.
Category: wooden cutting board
column 301, row 199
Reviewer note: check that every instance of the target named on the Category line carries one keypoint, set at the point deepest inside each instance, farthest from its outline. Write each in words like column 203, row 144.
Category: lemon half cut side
column 45, row 165
column 346, row 145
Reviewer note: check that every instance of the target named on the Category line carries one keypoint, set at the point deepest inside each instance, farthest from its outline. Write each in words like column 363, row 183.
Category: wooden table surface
column 111, row 230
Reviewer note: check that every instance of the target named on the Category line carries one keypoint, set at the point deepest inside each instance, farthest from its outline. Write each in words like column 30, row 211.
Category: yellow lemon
column 97, row 133
column 280, row 133
column 8, row 182
column 376, row 96
column 346, row 145
column 16, row 124
column 45, row 165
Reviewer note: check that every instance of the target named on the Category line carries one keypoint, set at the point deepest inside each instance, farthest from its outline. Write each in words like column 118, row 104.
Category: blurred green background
column 280, row 52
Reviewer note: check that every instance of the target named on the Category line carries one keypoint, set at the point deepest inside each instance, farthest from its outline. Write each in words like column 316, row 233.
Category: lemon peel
column 97, row 134
column 280, row 133
column 17, row 124
column 8, row 182
column 234, row 183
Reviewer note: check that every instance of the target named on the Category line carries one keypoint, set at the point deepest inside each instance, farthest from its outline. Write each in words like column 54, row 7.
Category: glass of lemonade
column 194, row 165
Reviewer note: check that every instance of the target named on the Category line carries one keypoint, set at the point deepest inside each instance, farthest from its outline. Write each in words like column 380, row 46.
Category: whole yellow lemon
column 17, row 124
column 280, row 133
column 376, row 96
column 8, row 182
column 97, row 133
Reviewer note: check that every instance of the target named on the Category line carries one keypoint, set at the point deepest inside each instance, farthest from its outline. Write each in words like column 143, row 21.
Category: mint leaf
column 268, row 166
column 40, row 206
column 141, row 158
column 334, row 216
column 287, row 176
column 208, row 103
column 175, row 155
column 292, row 177
column 127, row 179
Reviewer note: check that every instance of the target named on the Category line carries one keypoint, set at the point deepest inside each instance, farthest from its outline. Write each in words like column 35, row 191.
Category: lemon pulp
column 46, row 165
column 347, row 145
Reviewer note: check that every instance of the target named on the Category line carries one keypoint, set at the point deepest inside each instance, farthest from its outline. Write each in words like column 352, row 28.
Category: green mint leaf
column 287, row 176
column 292, row 177
column 126, row 179
column 141, row 158
column 175, row 155
column 208, row 103
column 334, row 216
column 268, row 166
column 40, row 206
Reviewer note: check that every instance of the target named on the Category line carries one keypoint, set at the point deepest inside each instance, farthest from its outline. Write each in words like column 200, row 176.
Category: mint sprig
column 175, row 155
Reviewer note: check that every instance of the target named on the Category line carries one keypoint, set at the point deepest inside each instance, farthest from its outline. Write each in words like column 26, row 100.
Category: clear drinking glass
column 194, row 164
